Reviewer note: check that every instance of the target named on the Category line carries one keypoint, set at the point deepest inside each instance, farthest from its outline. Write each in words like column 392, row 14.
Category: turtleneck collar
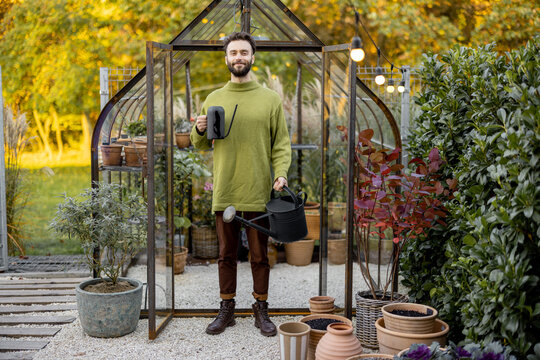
column 246, row 86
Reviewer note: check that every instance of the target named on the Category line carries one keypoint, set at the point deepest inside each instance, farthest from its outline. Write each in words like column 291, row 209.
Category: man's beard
column 239, row 72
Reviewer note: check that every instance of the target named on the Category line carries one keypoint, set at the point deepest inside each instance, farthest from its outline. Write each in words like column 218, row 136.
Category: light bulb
column 379, row 79
column 357, row 53
column 401, row 86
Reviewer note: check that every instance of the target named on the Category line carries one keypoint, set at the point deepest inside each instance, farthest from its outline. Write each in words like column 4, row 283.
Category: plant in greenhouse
column 491, row 351
column 136, row 128
column 391, row 204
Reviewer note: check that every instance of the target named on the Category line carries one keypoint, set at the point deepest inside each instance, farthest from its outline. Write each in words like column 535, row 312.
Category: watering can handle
column 295, row 198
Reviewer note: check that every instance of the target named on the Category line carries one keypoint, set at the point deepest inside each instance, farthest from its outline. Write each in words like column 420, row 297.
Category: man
column 243, row 162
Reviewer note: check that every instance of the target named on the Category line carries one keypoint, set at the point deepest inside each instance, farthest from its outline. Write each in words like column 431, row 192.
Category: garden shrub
column 482, row 110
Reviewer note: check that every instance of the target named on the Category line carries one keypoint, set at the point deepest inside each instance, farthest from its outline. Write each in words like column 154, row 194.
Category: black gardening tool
column 286, row 215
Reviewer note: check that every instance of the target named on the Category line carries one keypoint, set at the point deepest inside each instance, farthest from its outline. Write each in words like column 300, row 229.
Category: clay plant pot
column 313, row 219
column 293, row 340
column 299, row 253
column 135, row 155
column 370, row 357
column 182, row 140
column 321, row 304
column 392, row 342
column 180, row 257
column 409, row 324
column 336, row 221
column 337, row 251
column 315, row 334
column 339, row 343
column 111, row 155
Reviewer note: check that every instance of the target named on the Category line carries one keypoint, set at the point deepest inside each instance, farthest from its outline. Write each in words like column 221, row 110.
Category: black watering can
column 286, row 215
column 215, row 118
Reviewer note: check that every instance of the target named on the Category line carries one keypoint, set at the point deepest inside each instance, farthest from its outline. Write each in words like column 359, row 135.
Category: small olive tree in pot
column 115, row 220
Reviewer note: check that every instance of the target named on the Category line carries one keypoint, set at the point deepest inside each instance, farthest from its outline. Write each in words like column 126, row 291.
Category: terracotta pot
column 313, row 219
column 293, row 340
column 299, row 253
column 111, row 155
column 336, row 221
column 337, row 251
column 180, row 257
column 339, row 343
column 371, row 356
column 182, row 140
column 315, row 335
column 409, row 324
column 368, row 310
column 312, row 205
column 135, row 155
column 321, row 304
column 392, row 342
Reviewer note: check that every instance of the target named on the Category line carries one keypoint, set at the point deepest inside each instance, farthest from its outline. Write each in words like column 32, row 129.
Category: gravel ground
column 185, row 338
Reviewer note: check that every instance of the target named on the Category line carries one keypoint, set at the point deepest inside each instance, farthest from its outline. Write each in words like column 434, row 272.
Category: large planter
column 111, row 155
column 293, row 340
column 299, row 253
column 339, row 343
column 409, row 324
column 368, row 310
column 313, row 219
column 337, row 251
column 180, row 258
column 205, row 242
column 392, row 342
column 315, row 335
column 182, row 140
column 109, row 315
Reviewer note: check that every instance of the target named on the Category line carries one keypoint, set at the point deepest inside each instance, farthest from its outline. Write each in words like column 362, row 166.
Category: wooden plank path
column 24, row 296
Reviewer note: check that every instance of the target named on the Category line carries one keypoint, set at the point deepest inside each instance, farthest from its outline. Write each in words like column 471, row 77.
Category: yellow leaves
column 441, row 32
column 204, row 21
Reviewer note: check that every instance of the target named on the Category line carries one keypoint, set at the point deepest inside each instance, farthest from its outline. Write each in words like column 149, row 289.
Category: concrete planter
column 109, row 315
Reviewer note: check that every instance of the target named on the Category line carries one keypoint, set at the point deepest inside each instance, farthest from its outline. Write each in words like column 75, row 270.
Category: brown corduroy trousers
column 228, row 234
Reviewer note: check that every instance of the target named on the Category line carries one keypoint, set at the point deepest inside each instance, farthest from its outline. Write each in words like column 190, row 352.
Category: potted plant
column 183, row 130
column 113, row 219
column 136, row 152
column 205, row 244
column 470, row 351
column 391, row 204
column 409, row 317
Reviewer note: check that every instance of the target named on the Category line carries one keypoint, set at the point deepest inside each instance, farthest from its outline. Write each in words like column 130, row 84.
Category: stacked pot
column 404, row 324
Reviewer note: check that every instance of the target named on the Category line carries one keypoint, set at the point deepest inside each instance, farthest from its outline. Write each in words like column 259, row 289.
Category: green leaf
column 469, row 240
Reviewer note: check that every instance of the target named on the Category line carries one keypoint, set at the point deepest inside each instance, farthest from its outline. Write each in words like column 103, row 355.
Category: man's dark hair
column 239, row 36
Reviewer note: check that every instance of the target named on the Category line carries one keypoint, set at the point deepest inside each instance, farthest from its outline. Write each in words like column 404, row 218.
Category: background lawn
column 45, row 192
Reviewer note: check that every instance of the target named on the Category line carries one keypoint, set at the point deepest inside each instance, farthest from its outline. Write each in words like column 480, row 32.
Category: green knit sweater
column 257, row 144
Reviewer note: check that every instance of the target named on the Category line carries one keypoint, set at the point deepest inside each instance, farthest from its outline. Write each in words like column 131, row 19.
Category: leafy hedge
column 482, row 110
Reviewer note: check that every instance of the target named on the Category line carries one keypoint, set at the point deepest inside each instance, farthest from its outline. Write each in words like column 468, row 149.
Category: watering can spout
column 229, row 214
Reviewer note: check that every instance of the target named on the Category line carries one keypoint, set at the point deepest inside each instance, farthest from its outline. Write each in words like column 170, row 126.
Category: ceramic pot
column 315, row 334
column 368, row 310
column 392, row 342
column 299, row 253
column 293, row 340
column 336, row 221
column 109, row 315
column 313, row 219
column 135, row 155
column 180, row 257
column 111, row 155
column 337, row 251
column 409, row 324
column 339, row 343
column 182, row 140
column 321, row 304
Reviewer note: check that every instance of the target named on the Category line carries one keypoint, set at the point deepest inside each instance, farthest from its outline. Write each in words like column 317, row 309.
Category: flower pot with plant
column 183, row 130
column 389, row 203
column 471, row 351
column 107, row 217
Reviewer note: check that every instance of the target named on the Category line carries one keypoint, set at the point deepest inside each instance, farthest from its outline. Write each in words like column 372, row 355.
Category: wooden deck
column 21, row 297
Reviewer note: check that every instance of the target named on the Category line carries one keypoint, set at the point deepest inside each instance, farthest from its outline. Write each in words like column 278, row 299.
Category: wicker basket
column 205, row 243
column 368, row 310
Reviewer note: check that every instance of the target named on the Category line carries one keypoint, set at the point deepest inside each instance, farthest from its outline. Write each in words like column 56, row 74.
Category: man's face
column 239, row 57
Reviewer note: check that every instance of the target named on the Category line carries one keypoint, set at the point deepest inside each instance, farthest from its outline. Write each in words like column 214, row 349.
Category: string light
column 390, row 88
column 357, row 53
column 401, row 86
column 379, row 79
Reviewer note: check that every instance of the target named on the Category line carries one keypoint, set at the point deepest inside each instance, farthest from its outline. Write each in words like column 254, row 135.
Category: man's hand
column 280, row 183
column 201, row 123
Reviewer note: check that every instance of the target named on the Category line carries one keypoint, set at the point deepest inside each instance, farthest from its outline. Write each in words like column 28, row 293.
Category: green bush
column 482, row 111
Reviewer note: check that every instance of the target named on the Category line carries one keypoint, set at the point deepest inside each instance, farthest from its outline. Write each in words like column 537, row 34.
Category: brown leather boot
column 224, row 318
column 262, row 321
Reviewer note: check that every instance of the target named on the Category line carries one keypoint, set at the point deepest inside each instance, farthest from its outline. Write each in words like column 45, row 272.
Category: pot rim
column 340, row 328
column 81, row 285
column 303, row 332
column 325, row 316
column 386, row 310
column 379, row 324
column 321, row 299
